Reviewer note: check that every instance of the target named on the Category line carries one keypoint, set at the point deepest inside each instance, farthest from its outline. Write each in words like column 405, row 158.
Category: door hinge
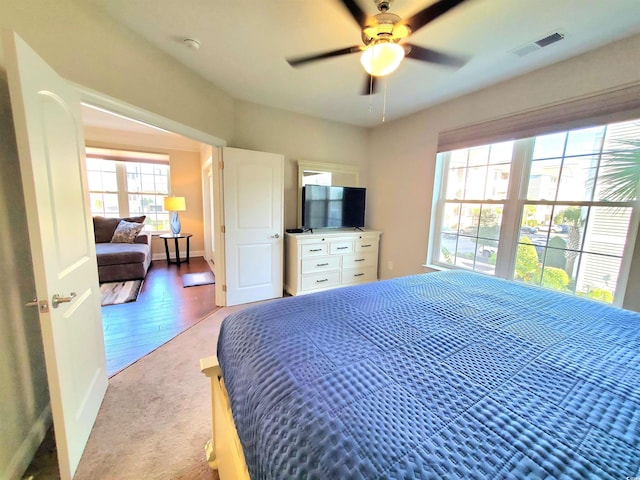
column 224, row 288
column 223, row 229
column 221, row 164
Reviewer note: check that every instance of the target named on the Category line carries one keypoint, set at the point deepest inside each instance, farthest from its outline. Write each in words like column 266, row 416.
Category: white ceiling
column 245, row 43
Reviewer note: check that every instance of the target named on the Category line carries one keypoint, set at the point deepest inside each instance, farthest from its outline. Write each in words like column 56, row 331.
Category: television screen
column 332, row 207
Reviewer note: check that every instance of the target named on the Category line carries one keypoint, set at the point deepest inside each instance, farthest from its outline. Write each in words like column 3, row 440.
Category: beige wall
column 298, row 137
column 397, row 160
column 401, row 169
column 88, row 49
column 85, row 48
column 186, row 181
column 82, row 45
column 24, row 397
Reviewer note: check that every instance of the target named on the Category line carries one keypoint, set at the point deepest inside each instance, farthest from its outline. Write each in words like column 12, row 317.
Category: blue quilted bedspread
column 441, row 375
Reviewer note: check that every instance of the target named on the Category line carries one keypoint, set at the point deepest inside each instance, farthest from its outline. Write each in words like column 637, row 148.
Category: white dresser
column 329, row 259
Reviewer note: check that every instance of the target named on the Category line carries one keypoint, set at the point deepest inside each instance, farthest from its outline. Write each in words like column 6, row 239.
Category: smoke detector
column 191, row 43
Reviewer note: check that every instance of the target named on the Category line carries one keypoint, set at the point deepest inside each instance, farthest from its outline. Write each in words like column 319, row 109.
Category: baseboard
column 29, row 446
column 183, row 255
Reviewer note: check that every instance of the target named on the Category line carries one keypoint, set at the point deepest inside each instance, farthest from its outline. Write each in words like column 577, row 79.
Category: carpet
column 195, row 279
column 114, row 293
column 156, row 416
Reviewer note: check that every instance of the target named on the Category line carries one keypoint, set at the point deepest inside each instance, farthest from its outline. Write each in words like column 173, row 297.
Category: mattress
column 442, row 375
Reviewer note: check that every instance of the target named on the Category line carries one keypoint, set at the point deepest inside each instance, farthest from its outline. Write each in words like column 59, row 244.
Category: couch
column 117, row 260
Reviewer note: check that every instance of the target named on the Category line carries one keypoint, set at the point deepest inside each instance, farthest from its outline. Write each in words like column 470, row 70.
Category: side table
column 168, row 236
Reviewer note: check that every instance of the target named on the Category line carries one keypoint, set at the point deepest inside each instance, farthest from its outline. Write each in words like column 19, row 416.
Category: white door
column 46, row 112
column 253, row 211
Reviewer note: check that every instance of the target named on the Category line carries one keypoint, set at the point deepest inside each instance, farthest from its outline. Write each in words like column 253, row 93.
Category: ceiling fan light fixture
column 382, row 58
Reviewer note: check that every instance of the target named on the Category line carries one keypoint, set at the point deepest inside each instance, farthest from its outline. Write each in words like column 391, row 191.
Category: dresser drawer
column 360, row 260
column 314, row 250
column 340, row 247
column 359, row 275
column 320, row 264
column 314, row 281
column 367, row 245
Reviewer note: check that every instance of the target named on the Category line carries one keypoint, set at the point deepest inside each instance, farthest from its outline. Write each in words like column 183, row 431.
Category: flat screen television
column 332, row 207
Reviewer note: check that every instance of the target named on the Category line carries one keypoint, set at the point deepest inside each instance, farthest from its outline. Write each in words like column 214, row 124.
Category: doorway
column 163, row 308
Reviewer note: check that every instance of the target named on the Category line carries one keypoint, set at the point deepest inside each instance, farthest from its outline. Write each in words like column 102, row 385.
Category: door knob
column 57, row 299
column 275, row 236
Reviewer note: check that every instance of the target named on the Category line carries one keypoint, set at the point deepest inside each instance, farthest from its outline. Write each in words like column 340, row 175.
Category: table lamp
column 175, row 205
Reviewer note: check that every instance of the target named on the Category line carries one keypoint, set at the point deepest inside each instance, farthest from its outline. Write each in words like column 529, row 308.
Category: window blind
column 616, row 105
column 126, row 155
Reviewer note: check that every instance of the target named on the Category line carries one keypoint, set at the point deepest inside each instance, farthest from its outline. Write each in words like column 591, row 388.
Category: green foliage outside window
column 554, row 278
column 527, row 262
column 529, row 269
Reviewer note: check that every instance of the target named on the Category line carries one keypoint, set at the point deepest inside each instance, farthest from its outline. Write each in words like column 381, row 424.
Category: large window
column 129, row 184
column 554, row 210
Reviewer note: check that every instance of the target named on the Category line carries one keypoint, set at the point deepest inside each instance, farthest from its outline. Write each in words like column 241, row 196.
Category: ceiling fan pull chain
column 370, row 92
column 384, row 100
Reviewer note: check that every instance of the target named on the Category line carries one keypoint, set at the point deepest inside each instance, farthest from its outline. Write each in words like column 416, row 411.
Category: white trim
column 114, row 105
column 219, row 239
column 29, row 446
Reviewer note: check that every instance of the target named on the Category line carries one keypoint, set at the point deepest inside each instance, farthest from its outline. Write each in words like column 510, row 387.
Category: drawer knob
column 321, row 264
column 366, row 246
column 342, row 248
column 358, row 274
column 323, row 280
column 315, row 250
column 359, row 260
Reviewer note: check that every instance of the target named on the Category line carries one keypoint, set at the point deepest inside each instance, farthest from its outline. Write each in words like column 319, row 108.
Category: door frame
column 119, row 107
column 206, row 177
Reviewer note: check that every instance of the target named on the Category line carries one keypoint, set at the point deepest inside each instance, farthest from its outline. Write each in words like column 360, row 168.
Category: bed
column 441, row 375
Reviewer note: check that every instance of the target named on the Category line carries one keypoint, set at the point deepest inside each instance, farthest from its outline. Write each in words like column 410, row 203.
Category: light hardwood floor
column 164, row 308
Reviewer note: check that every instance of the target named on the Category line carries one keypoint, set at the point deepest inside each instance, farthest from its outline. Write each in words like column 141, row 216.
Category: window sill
column 434, row 268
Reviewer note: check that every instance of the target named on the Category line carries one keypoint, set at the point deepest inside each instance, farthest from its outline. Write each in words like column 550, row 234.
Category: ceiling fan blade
column 297, row 61
column 433, row 56
column 370, row 87
column 356, row 12
column 430, row 13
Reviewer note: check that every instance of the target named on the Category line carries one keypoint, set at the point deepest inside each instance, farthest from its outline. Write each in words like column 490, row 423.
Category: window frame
column 123, row 159
column 512, row 214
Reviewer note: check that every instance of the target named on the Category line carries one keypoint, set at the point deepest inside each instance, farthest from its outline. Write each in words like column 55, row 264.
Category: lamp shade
column 382, row 58
column 175, row 204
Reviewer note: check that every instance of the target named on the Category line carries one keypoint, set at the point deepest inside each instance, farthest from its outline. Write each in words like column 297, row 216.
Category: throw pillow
column 105, row 227
column 126, row 232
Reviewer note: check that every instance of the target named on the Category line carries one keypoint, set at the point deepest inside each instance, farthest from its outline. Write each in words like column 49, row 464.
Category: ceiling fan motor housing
column 383, row 5
column 386, row 27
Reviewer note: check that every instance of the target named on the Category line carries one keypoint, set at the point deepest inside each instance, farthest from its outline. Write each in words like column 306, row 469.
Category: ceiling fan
column 382, row 51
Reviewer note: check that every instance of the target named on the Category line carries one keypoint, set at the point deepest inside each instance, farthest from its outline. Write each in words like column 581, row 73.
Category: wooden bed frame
column 224, row 450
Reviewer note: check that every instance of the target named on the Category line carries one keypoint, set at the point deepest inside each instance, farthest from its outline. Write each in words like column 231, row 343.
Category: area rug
column 195, row 279
column 114, row 293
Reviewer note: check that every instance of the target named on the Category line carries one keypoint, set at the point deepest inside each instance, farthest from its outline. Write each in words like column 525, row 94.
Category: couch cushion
column 126, row 232
column 118, row 253
column 104, row 227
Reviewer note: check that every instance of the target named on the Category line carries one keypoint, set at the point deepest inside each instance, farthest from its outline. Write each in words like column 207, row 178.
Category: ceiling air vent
column 549, row 39
column 538, row 44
